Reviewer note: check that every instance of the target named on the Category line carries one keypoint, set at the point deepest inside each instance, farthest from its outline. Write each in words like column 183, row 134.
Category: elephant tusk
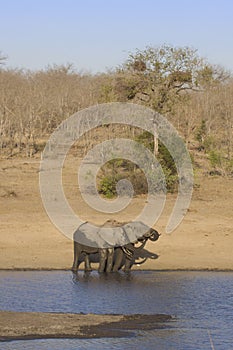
column 138, row 263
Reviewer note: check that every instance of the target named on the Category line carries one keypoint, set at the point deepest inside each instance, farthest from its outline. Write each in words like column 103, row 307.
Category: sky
column 96, row 35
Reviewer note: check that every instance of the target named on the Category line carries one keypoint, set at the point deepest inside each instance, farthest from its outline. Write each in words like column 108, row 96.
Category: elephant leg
column 87, row 263
column 118, row 259
column 103, row 257
column 127, row 265
column 110, row 253
column 76, row 256
column 128, row 250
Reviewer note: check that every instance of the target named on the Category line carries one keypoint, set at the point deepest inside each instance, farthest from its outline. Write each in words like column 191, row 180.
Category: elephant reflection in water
column 111, row 259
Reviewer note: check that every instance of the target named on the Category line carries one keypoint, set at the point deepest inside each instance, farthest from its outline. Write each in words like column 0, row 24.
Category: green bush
column 165, row 159
column 201, row 134
column 209, row 143
column 117, row 169
column 215, row 159
column 146, row 139
column 107, row 186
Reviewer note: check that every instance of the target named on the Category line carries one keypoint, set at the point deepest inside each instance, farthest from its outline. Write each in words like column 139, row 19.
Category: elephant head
column 127, row 252
column 152, row 235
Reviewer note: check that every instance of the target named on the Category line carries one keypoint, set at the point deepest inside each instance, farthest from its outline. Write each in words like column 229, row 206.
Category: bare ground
column 28, row 239
column 33, row 325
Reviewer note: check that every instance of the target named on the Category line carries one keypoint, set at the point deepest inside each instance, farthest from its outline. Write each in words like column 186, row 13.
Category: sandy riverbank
column 34, row 325
column 28, row 239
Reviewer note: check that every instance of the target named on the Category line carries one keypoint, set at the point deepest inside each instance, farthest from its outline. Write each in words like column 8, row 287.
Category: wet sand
column 36, row 325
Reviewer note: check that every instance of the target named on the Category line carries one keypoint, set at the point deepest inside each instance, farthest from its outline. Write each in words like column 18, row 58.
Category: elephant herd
column 112, row 258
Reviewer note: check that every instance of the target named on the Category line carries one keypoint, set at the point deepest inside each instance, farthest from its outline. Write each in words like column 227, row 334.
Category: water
column 201, row 303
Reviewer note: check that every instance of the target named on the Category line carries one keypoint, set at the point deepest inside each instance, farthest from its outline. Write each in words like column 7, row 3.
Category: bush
column 165, row 159
column 215, row 159
column 201, row 134
column 117, row 169
column 107, row 186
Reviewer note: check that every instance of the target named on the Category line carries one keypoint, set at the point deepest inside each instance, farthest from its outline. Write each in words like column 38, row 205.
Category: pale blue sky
column 99, row 34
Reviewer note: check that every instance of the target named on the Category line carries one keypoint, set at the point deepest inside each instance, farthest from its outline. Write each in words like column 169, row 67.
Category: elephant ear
column 135, row 230
column 88, row 235
column 114, row 236
column 122, row 235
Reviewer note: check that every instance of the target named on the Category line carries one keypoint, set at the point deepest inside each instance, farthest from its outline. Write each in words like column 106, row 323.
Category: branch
column 189, row 88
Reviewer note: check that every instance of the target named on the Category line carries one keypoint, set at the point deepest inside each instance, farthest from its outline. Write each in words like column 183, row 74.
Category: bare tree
column 2, row 58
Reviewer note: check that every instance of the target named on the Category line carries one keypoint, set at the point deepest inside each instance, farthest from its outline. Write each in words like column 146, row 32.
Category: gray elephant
column 105, row 257
column 126, row 254
column 92, row 238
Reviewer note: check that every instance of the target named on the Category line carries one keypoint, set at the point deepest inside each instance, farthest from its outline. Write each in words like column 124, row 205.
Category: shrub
column 117, row 169
column 201, row 134
column 107, row 186
column 215, row 159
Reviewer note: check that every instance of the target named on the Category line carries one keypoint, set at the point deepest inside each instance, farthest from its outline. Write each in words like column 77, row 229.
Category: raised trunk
column 141, row 246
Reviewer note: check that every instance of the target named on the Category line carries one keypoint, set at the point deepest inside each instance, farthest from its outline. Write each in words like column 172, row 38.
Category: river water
column 200, row 302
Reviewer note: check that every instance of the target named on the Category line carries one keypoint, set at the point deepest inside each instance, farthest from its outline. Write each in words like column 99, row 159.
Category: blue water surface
column 200, row 302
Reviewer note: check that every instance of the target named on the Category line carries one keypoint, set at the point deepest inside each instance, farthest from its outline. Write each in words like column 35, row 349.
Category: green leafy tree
column 159, row 77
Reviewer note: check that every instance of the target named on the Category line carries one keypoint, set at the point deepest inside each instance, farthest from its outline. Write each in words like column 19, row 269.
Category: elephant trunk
column 129, row 251
column 143, row 243
column 154, row 235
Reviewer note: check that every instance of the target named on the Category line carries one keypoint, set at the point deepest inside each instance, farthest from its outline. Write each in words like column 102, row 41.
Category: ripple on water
column 201, row 301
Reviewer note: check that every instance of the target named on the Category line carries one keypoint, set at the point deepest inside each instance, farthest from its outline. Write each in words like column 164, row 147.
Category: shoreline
column 42, row 325
column 30, row 242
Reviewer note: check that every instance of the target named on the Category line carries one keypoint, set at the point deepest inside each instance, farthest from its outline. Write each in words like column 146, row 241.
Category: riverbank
column 36, row 325
column 28, row 240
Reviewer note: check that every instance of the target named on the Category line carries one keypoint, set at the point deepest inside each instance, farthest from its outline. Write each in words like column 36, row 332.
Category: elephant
column 106, row 255
column 89, row 234
column 127, row 252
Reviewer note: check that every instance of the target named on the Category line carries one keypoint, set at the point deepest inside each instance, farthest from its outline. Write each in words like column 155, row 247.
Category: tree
column 2, row 58
column 165, row 79
column 159, row 77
